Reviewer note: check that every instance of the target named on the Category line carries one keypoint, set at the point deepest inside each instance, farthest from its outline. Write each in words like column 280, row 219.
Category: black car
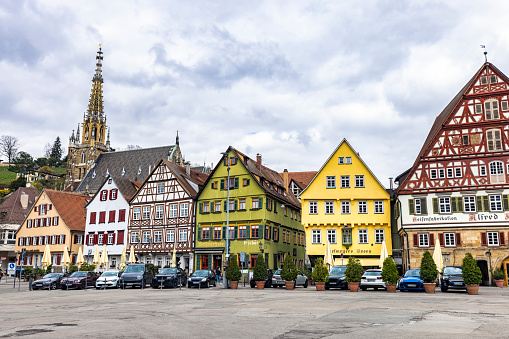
column 169, row 277
column 202, row 278
column 138, row 275
column 50, row 280
column 452, row 279
column 268, row 282
column 337, row 278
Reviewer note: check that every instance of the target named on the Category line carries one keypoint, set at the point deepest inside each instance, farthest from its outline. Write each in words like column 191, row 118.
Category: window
column 329, row 207
column 182, row 235
column 379, row 206
column 102, row 217
column 433, row 174
column 359, row 181
column 255, row 203
column 146, row 237
column 482, row 170
column 505, row 106
column 331, row 181
column 90, row 239
column 417, row 206
column 491, row 109
column 492, row 238
column 146, row 212
column 313, row 207
column 466, row 140
column 160, row 188
column 170, row 236
column 341, row 160
column 493, row 79
column 42, row 209
column 363, row 236
column 348, row 160
column 478, row 109
column 184, row 210
column 363, row 207
column 205, row 233
column 231, row 232
column 317, row 236
column 497, row 172
column 345, row 207
column 245, row 182
column 331, row 236
column 159, row 212
column 423, row 239
column 214, row 185
column 113, row 194
column 379, row 236
column 495, row 203
column 347, row 236
column 121, row 215
column 231, row 205
column 111, row 217
column 242, row 204
column 494, row 138
column 79, row 239
column 450, row 173
column 100, row 238
column 444, row 205
column 450, row 239
column 275, row 234
column 441, row 173
column 104, row 195
column 242, row 232
column 110, row 238
column 345, row 181
column 217, row 232
column 136, row 213
column 254, row 231
column 173, row 211
column 457, row 172
column 469, row 204
column 217, row 206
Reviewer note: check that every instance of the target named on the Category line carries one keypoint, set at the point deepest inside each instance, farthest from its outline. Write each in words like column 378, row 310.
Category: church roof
column 124, row 167
column 11, row 210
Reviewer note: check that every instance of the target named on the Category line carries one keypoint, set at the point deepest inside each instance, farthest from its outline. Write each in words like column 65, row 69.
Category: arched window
column 494, row 138
column 497, row 172
column 82, row 157
column 491, row 109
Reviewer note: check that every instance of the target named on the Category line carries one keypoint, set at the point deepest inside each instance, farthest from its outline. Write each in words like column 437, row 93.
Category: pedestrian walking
column 1, row 274
column 218, row 275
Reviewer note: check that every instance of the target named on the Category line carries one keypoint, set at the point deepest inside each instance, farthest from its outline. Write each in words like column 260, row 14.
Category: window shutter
column 441, row 239
column 198, row 261
column 432, row 239
column 411, row 208
column 225, row 204
column 222, row 184
column 199, row 233
column 248, row 231
column 486, row 203
column 63, row 239
column 248, row 182
column 505, row 199
column 260, row 202
column 105, row 238
column 458, row 239
column 501, row 238
column 210, row 262
column 224, row 232
column 96, row 238
column 484, row 239
column 454, row 204
column 200, row 205
column 49, row 207
column 479, row 203
column 75, row 239
column 224, row 161
column 236, row 235
column 236, row 182
column 39, row 208
column 459, row 201
column 416, row 240
column 236, row 207
column 261, row 228
column 58, row 259
column 435, row 205
column 424, row 206
column 86, row 239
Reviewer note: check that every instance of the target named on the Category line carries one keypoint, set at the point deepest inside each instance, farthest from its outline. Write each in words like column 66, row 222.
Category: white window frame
column 331, row 181
column 329, row 207
column 469, row 204
column 423, row 239
column 331, row 236
column 362, row 207
column 449, row 239
column 90, row 239
column 160, row 187
column 146, row 237
column 348, row 160
column 170, row 236
column 497, row 175
column 158, row 236
column 493, row 142
column 183, row 235
column 458, row 172
column 496, row 203
column 184, row 210
column 313, row 207
column 491, row 109
column 135, row 237
column 316, row 236
column 100, row 239
column 146, row 213
column 492, row 238
column 379, row 235
column 341, row 160
column 136, row 213
column 173, row 210
column 110, row 238
column 345, row 207
column 441, row 173
column 379, row 206
column 345, row 181
column 433, row 173
column 359, row 181
column 363, row 236
column 159, row 211
column 444, row 204
column 482, row 171
column 450, row 173
column 417, row 206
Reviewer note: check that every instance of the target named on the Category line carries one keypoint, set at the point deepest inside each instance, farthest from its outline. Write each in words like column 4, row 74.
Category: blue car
column 411, row 281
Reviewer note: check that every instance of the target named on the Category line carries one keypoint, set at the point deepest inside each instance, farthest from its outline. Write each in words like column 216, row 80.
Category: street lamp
column 227, row 250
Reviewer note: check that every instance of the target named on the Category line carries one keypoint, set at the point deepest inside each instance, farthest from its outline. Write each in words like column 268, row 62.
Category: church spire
column 95, row 105
column 177, row 139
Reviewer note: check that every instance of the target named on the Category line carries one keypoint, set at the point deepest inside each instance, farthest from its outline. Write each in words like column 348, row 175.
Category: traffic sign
column 242, row 256
column 11, row 268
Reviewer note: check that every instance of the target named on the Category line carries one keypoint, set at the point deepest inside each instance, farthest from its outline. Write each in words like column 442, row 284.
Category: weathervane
column 485, row 53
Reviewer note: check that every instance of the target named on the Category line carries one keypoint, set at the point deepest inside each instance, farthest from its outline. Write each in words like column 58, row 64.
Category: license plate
column 371, row 280
column 68, row 284
column 412, row 285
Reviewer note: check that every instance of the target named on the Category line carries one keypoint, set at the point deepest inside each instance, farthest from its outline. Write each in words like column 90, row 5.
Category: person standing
column 218, row 274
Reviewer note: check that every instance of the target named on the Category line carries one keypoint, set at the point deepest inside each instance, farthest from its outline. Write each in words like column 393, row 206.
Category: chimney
column 285, row 179
column 259, row 161
column 24, row 200
column 188, row 168
column 391, row 185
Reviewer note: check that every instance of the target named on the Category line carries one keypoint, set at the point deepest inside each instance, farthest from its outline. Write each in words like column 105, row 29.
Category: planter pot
column 353, row 286
column 320, row 286
column 234, row 284
column 260, row 285
column 429, row 287
column 473, row 289
column 289, row 285
column 499, row 283
column 390, row 287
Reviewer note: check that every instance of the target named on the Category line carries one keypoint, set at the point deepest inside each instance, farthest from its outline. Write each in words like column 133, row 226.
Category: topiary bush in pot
column 354, row 270
column 289, row 271
column 390, row 273
column 471, row 272
column 429, row 272
column 233, row 273
column 320, row 271
column 260, row 270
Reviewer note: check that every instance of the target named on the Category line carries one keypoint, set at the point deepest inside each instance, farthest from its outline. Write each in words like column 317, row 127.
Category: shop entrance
column 216, row 262
column 483, row 265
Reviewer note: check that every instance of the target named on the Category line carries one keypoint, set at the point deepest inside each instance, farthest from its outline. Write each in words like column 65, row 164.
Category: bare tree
column 9, row 146
column 47, row 150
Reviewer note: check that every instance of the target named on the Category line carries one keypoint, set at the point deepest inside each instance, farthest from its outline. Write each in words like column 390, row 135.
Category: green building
column 264, row 218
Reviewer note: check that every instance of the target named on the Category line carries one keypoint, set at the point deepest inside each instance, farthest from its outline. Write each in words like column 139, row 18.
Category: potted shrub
column 28, row 272
column 289, row 272
column 320, row 274
column 233, row 273
column 39, row 272
column 429, row 272
column 472, row 275
column 499, row 277
column 390, row 274
column 353, row 273
column 260, row 273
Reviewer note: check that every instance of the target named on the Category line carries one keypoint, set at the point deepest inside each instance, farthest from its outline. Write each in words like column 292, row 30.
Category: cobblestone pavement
column 251, row 313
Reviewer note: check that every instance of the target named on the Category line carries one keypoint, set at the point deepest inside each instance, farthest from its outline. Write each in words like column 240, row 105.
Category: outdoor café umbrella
column 329, row 258
column 437, row 256
column 79, row 259
column 174, row 257
column 65, row 259
column 383, row 254
column 104, row 258
column 132, row 258
column 123, row 259
column 46, row 258
column 97, row 257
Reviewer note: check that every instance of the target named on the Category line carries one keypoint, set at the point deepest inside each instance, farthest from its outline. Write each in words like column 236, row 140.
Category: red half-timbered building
column 162, row 215
column 457, row 191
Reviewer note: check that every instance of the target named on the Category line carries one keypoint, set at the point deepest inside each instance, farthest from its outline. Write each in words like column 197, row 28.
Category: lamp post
column 227, row 249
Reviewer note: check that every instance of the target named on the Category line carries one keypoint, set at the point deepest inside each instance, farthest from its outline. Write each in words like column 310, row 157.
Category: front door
column 217, row 262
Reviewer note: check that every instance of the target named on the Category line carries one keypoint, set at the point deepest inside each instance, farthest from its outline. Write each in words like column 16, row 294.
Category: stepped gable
column 70, row 207
column 124, row 167
column 11, row 210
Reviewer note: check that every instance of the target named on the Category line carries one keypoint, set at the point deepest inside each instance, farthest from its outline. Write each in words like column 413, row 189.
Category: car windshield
column 134, row 268
column 452, row 270
column 278, row 272
column 200, row 273
column 51, row 275
column 109, row 274
column 413, row 273
column 373, row 273
column 337, row 271
column 78, row 274
column 167, row 270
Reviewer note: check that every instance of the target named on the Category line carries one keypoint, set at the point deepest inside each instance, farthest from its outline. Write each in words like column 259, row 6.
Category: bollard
column 30, row 283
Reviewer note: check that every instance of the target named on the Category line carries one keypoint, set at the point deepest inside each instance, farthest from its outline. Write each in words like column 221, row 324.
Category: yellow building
column 56, row 219
column 346, row 205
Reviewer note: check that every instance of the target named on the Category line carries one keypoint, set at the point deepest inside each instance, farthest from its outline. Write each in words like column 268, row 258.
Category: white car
column 108, row 279
column 301, row 280
column 372, row 279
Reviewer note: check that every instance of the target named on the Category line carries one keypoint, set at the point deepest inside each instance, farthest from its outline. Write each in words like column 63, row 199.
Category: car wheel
column 81, row 286
column 363, row 288
column 188, row 285
column 207, row 284
column 53, row 286
column 443, row 289
column 215, row 283
column 306, row 284
column 253, row 284
column 375, row 288
column 35, row 288
column 327, row 288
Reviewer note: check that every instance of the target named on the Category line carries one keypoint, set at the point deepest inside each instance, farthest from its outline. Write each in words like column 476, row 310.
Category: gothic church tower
column 85, row 147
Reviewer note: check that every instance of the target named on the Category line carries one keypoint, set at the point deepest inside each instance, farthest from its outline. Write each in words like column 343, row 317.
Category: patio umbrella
column 437, row 256
column 104, row 258
column 329, row 258
column 46, row 257
column 174, row 257
column 123, row 259
column 79, row 259
column 132, row 258
column 97, row 257
column 383, row 254
column 65, row 258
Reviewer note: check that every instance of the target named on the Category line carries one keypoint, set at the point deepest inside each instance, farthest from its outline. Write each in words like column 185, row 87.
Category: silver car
column 301, row 280
column 108, row 279
column 372, row 279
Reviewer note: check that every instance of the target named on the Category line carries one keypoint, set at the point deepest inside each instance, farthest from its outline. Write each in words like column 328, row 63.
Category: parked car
column 169, row 277
column 108, row 279
column 411, row 281
column 372, row 278
column 268, row 282
column 202, row 278
column 337, row 278
column 50, row 280
column 79, row 280
column 452, row 278
column 138, row 275
column 301, row 280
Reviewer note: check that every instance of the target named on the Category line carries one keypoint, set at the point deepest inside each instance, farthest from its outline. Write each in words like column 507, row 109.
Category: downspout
column 406, row 234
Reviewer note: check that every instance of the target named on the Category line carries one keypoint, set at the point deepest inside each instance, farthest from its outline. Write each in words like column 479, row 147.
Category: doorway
column 483, row 265
column 217, row 262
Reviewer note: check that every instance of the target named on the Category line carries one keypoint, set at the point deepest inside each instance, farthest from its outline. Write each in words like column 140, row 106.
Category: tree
column 233, row 273
column 353, row 270
column 289, row 271
column 470, row 270
column 20, row 182
column 47, row 151
column 429, row 272
column 260, row 271
column 390, row 271
column 56, row 150
column 9, row 146
column 320, row 272
column 23, row 164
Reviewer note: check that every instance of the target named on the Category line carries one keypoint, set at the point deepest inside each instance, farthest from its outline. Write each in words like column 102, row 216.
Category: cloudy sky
column 287, row 79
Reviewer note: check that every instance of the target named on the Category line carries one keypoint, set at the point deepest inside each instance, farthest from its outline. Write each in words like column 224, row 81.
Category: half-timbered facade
column 162, row 215
column 458, row 188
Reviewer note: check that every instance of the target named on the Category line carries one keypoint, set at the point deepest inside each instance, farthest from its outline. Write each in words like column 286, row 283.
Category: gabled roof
column 185, row 179
column 301, row 179
column 11, row 210
column 124, row 167
column 70, row 207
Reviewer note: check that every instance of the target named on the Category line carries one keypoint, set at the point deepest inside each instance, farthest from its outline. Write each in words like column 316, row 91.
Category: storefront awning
column 209, row 250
